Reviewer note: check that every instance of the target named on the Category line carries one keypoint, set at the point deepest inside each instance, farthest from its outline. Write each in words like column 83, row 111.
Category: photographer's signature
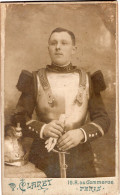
column 38, row 185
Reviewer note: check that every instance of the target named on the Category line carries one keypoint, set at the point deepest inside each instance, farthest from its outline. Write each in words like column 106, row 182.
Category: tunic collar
column 64, row 69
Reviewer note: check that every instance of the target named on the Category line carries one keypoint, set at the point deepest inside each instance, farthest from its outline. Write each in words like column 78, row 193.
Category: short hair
column 59, row 29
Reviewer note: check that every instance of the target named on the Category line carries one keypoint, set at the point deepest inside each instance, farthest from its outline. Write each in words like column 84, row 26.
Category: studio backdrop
column 27, row 29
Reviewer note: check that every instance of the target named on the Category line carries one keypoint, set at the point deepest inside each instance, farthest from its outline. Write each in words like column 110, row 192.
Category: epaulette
column 98, row 82
column 25, row 82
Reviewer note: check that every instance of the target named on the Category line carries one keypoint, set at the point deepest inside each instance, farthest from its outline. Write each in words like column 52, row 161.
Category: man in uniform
column 64, row 97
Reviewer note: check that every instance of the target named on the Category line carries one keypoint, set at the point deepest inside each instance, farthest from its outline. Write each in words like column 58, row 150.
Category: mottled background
column 27, row 29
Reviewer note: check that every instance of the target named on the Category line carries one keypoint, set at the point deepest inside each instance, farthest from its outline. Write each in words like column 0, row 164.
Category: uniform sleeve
column 25, row 107
column 100, row 121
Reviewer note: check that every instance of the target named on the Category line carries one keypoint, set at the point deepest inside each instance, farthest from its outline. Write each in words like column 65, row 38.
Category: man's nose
column 58, row 46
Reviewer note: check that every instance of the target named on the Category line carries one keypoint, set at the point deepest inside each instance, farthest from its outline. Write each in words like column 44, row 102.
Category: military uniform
column 54, row 91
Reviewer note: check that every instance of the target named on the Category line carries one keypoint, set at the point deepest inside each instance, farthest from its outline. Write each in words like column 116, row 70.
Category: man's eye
column 52, row 43
column 64, row 43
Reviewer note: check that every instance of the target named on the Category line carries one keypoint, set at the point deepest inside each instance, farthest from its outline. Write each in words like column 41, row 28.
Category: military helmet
column 14, row 154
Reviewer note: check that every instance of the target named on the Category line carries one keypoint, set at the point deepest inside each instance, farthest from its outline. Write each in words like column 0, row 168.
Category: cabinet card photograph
column 59, row 86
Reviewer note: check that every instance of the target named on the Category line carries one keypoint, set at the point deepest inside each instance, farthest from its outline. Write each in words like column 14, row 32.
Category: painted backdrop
column 27, row 29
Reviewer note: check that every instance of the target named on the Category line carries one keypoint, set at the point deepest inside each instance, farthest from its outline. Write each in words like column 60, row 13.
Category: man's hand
column 70, row 139
column 54, row 129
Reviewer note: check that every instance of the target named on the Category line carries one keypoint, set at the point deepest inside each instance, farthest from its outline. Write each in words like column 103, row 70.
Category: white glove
column 51, row 142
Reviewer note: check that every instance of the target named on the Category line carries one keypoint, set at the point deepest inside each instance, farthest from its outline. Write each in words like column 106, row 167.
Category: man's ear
column 74, row 49
column 48, row 48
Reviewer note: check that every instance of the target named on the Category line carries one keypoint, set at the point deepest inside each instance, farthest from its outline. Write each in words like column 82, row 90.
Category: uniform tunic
column 51, row 95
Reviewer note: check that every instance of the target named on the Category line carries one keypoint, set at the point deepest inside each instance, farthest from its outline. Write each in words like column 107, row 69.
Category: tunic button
column 32, row 129
column 36, row 131
column 89, row 135
column 92, row 135
column 96, row 133
column 29, row 127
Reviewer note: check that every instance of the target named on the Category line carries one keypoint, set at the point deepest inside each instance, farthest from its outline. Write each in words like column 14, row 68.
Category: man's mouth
column 58, row 54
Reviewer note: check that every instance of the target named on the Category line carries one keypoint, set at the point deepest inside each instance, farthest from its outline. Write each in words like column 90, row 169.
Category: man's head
column 61, row 46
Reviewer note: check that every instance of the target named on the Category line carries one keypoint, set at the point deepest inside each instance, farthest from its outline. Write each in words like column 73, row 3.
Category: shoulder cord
column 42, row 77
column 90, row 85
column 82, row 76
column 82, row 85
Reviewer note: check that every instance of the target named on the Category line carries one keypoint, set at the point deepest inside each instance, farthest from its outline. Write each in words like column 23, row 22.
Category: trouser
column 79, row 161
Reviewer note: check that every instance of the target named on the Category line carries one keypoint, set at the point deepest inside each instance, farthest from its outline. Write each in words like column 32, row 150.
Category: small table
column 26, row 171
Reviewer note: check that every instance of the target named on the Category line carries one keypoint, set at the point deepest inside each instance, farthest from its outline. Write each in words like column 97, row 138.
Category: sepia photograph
column 59, row 98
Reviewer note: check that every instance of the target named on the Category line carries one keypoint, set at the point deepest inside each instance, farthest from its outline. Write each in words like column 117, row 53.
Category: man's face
column 61, row 48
